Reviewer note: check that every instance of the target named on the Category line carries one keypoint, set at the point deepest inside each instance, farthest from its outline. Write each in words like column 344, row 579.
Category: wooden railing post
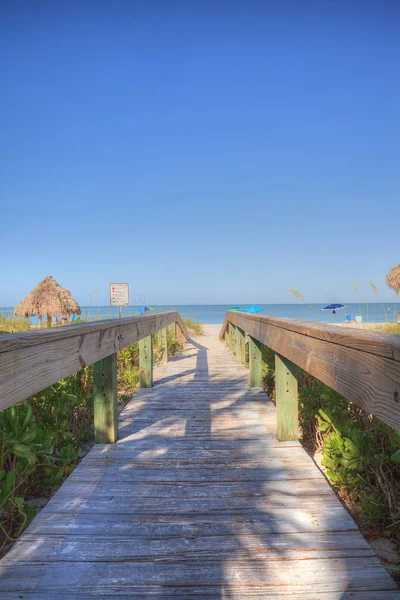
column 105, row 400
column 231, row 332
column 172, row 331
column 255, row 363
column 146, row 362
column 179, row 334
column 163, row 344
column 286, row 399
column 240, row 343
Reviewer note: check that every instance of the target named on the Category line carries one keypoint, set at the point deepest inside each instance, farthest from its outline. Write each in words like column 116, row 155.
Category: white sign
column 119, row 294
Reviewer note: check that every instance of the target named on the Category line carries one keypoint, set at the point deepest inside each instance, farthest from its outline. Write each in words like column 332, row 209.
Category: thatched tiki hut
column 393, row 279
column 50, row 299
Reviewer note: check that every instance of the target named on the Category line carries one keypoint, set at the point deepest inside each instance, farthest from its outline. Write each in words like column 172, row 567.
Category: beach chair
column 348, row 318
column 359, row 319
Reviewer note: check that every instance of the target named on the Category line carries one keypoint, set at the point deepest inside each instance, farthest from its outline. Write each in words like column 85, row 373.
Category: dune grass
column 193, row 327
column 388, row 327
column 11, row 325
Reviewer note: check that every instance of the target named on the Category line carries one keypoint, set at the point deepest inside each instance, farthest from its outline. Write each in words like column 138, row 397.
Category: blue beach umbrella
column 333, row 307
column 144, row 309
column 253, row 309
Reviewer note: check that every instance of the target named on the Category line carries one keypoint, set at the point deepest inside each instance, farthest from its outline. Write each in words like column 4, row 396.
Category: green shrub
column 361, row 454
column 128, row 370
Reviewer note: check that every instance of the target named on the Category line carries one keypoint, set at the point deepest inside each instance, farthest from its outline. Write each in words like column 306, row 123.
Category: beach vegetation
column 360, row 454
column 193, row 327
column 387, row 327
column 11, row 325
column 43, row 438
column 376, row 291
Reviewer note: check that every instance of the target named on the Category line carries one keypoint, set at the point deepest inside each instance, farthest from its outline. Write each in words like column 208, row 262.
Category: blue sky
column 208, row 152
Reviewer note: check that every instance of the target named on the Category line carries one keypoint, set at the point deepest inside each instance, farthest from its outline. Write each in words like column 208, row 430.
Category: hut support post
column 105, row 400
column 146, row 362
column 255, row 360
column 286, row 399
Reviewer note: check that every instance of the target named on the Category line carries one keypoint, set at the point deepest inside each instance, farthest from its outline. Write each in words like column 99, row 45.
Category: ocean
column 215, row 313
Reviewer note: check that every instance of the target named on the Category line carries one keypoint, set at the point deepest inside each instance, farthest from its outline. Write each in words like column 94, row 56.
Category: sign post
column 119, row 295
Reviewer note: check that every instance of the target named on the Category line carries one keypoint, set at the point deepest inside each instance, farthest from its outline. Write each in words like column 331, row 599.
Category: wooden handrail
column 363, row 366
column 30, row 362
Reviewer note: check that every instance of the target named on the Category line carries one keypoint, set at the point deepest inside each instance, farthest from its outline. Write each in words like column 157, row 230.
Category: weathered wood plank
column 239, row 592
column 366, row 573
column 241, row 547
column 374, row 342
column 197, row 500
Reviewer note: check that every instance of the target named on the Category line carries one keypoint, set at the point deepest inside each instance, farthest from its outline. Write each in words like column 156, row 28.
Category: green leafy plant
column 361, row 455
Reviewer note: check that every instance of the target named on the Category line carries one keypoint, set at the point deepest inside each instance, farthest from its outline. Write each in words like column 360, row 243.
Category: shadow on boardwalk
column 197, row 500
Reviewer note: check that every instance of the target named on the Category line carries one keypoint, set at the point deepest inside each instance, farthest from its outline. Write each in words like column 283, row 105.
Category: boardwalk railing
column 32, row 361
column 363, row 366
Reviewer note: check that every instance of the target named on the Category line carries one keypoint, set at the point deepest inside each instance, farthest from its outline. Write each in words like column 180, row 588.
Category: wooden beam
column 105, row 400
column 367, row 373
column 374, row 342
column 32, row 361
column 240, row 343
column 287, row 419
column 255, row 363
column 146, row 362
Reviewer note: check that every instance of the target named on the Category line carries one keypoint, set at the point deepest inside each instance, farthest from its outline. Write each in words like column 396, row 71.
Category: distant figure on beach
column 398, row 318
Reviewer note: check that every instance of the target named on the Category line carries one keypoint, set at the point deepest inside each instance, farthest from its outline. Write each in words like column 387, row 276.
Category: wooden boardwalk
column 196, row 500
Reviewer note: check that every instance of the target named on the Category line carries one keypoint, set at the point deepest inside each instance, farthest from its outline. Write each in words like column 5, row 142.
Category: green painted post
column 233, row 346
column 172, row 332
column 146, row 362
column 287, row 421
column 105, row 400
column 255, row 363
column 230, row 337
column 240, row 342
column 164, row 345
